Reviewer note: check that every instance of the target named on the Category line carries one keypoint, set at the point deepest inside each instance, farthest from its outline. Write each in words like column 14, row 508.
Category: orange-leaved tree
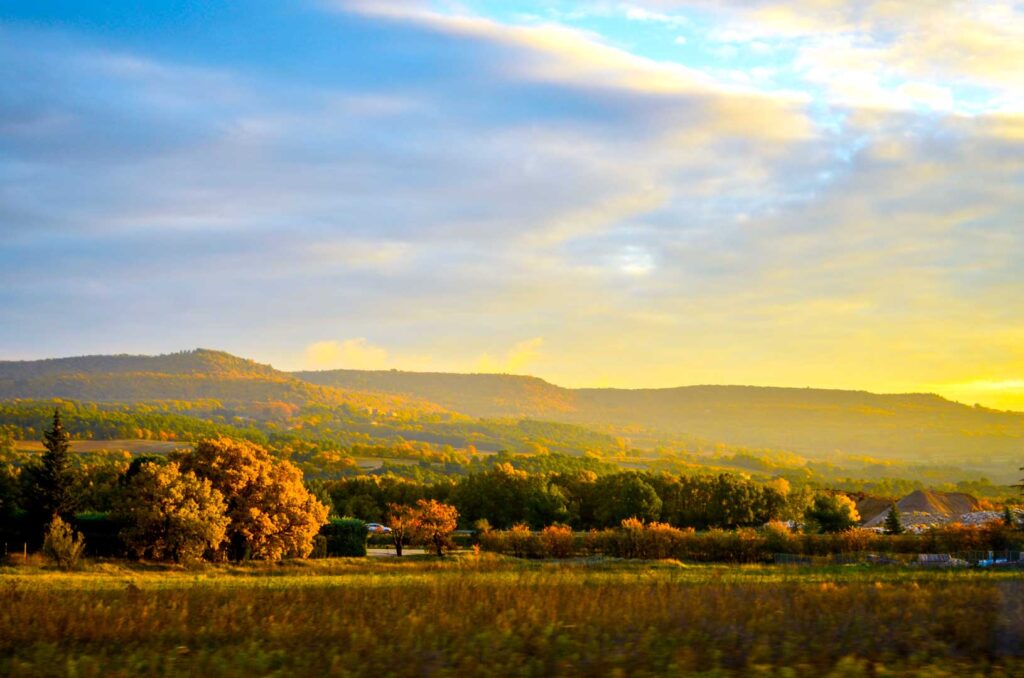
column 434, row 524
column 402, row 521
column 272, row 515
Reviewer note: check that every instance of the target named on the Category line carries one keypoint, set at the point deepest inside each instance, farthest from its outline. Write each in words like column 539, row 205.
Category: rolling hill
column 200, row 374
column 923, row 428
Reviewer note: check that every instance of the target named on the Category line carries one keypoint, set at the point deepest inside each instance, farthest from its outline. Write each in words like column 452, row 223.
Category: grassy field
column 487, row 615
column 126, row 445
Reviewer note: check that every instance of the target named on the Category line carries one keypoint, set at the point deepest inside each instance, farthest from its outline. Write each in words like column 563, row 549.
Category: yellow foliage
column 271, row 513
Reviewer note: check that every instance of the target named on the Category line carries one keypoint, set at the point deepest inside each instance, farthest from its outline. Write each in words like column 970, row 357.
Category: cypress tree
column 892, row 521
column 50, row 491
column 1008, row 517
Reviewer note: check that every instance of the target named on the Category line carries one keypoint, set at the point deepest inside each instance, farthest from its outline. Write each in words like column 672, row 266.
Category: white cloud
column 356, row 354
column 517, row 359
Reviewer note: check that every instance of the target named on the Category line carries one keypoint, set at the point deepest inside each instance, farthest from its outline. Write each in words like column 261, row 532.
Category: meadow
column 472, row 614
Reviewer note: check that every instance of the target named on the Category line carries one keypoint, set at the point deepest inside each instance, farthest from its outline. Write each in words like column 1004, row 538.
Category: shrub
column 62, row 544
column 778, row 538
column 557, row 541
column 102, row 534
column 345, row 537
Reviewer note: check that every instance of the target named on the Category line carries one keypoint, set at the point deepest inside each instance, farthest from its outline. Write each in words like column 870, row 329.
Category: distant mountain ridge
column 186, row 375
column 479, row 395
column 197, row 361
column 814, row 422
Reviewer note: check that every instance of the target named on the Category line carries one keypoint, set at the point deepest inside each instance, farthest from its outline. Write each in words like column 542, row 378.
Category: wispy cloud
column 411, row 185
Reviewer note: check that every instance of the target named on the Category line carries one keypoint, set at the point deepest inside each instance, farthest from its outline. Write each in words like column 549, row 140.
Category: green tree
column 832, row 513
column 272, row 514
column 505, row 496
column 1008, row 519
column 10, row 496
column 50, row 482
column 893, row 525
column 625, row 495
column 169, row 514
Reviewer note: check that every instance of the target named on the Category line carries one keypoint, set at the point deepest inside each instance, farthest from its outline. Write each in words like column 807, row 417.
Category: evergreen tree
column 49, row 483
column 1008, row 517
column 892, row 521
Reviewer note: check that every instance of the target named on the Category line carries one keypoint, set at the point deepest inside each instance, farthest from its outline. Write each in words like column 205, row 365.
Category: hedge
column 744, row 545
column 345, row 537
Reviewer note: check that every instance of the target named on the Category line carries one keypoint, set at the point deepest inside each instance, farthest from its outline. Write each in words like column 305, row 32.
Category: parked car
column 377, row 528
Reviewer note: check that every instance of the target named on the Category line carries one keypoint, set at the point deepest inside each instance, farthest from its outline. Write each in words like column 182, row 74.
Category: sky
column 637, row 194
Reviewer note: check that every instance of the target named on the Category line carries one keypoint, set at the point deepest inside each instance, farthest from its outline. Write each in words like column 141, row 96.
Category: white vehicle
column 378, row 528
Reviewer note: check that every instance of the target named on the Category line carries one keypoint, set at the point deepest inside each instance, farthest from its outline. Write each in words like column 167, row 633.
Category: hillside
column 479, row 395
column 201, row 374
column 195, row 393
column 921, row 428
column 353, row 405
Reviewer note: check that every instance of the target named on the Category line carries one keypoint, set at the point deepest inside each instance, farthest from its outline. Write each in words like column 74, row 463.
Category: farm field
column 136, row 447
column 487, row 615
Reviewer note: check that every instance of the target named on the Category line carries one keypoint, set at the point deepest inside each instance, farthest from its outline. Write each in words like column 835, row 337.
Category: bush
column 62, row 544
column 101, row 533
column 557, row 541
column 319, row 547
column 345, row 538
column 634, row 539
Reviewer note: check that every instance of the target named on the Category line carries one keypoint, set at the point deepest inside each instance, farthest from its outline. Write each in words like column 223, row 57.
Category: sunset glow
column 647, row 193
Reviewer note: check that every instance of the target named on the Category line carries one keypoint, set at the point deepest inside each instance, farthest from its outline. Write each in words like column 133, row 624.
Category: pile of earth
column 922, row 508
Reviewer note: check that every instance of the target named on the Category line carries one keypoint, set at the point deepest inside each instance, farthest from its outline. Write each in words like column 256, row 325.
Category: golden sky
column 645, row 193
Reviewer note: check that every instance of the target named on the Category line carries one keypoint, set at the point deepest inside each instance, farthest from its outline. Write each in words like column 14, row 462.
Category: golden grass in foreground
column 490, row 616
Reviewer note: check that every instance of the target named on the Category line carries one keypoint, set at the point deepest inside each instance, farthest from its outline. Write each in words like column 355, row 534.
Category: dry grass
column 494, row 616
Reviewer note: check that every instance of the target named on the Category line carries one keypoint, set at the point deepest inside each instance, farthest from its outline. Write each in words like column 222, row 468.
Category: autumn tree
column 271, row 513
column 893, row 524
column 170, row 514
column 402, row 521
column 832, row 513
column 49, row 483
column 434, row 523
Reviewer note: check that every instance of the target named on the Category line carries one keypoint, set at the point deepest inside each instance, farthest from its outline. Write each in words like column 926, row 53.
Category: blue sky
column 648, row 193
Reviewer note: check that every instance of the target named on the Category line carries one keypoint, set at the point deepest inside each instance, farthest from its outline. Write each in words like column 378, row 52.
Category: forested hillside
column 815, row 422
column 186, row 376
column 184, row 395
column 479, row 395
